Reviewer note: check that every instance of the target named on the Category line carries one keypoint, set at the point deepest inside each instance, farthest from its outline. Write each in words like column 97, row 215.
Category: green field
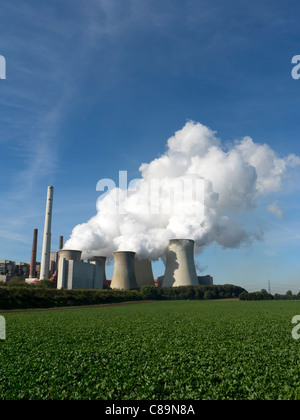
column 154, row 351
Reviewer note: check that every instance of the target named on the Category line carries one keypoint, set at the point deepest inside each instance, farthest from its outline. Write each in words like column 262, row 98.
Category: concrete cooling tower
column 180, row 267
column 99, row 261
column 143, row 272
column 124, row 275
column 70, row 254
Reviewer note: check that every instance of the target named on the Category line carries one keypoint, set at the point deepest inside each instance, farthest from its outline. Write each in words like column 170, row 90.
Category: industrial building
column 12, row 268
column 76, row 274
column 69, row 271
column 205, row 280
column 9, row 269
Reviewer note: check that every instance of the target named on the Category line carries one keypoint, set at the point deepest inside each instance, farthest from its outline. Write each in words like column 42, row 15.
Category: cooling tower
column 143, row 272
column 100, row 261
column 70, row 254
column 180, row 267
column 32, row 272
column 124, row 275
column 44, row 272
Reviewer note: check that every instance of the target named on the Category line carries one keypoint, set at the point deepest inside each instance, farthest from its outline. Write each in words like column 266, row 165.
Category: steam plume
column 233, row 179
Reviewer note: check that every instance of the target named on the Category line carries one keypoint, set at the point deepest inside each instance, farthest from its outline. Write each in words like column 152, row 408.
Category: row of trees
column 264, row 295
column 225, row 291
column 17, row 297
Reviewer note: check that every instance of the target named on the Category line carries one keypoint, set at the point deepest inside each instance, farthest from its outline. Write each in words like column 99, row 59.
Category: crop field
column 170, row 350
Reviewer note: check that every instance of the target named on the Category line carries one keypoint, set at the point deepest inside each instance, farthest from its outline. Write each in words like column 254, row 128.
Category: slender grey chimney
column 44, row 273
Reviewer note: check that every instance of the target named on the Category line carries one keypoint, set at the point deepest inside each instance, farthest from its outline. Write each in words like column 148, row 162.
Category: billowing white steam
column 233, row 179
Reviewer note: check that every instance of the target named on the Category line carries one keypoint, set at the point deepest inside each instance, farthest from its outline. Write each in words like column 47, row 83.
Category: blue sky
column 94, row 87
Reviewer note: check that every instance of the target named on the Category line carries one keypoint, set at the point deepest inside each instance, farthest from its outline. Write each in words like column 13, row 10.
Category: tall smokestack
column 124, row 275
column 143, row 272
column 44, row 274
column 180, row 265
column 32, row 272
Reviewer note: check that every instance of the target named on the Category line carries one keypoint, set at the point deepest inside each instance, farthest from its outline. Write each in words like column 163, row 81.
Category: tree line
column 264, row 295
column 43, row 295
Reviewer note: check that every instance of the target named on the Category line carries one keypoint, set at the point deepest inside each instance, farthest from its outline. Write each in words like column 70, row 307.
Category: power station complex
column 130, row 272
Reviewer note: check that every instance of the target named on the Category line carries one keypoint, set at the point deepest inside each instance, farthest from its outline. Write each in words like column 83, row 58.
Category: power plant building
column 205, row 280
column 76, row 274
column 66, row 268
column 9, row 269
column 53, row 263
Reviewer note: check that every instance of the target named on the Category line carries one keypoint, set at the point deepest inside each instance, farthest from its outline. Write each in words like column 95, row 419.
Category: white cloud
column 233, row 181
column 273, row 208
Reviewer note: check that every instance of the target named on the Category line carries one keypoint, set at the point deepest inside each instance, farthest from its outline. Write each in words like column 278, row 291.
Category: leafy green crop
column 159, row 350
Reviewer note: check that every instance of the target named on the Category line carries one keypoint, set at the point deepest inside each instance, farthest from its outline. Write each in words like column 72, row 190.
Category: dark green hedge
column 36, row 297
